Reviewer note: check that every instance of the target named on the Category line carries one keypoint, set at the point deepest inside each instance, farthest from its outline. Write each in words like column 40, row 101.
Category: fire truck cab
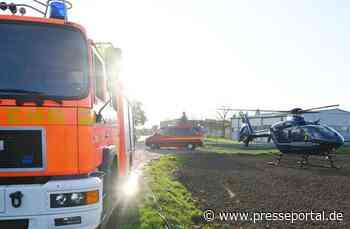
column 66, row 130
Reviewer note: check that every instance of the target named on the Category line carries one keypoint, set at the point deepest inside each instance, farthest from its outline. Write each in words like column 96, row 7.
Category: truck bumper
column 36, row 211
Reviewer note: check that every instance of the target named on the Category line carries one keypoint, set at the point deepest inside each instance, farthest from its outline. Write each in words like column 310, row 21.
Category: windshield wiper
column 23, row 96
column 20, row 91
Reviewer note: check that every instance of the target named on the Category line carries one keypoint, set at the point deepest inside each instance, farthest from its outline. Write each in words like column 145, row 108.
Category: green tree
column 139, row 114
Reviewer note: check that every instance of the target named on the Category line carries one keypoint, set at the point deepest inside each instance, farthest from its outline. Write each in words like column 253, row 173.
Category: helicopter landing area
column 245, row 183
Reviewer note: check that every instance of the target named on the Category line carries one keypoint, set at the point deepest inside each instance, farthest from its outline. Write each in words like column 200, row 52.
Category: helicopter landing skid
column 277, row 161
column 330, row 157
column 304, row 161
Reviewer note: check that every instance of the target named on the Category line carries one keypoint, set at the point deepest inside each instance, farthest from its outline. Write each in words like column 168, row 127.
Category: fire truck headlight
column 74, row 199
column 61, row 200
column 77, row 198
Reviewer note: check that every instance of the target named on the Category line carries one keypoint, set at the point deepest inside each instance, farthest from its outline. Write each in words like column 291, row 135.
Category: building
column 214, row 128
column 336, row 118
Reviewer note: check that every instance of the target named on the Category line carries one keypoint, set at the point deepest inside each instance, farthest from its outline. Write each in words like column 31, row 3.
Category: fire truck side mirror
column 112, row 62
column 115, row 92
column 114, row 102
column 113, row 67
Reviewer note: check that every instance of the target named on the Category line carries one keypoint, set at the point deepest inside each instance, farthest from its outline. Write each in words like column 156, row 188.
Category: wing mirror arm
column 99, row 113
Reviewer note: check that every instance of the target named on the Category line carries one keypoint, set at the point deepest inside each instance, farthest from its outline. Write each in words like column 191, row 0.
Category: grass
column 174, row 202
column 219, row 140
column 344, row 149
column 227, row 146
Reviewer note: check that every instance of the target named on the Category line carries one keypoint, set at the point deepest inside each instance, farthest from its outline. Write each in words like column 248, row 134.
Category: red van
column 176, row 136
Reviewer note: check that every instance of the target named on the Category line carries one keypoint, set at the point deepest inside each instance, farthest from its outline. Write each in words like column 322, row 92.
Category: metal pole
column 65, row 11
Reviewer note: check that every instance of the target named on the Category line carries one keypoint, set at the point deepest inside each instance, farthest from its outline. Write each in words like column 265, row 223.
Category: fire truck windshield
column 47, row 59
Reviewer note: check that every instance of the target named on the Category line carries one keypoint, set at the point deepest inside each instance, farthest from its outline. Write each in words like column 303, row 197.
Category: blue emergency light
column 58, row 10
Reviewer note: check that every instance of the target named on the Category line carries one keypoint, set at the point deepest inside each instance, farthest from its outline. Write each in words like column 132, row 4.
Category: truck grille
column 14, row 224
column 21, row 149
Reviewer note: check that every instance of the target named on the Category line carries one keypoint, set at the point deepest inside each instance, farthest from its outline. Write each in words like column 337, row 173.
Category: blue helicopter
column 295, row 135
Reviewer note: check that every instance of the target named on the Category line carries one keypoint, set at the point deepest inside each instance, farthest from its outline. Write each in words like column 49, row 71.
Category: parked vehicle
column 66, row 130
column 176, row 136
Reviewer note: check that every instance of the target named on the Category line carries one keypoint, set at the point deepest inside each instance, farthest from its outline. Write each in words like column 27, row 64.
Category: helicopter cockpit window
column 319, row 132
column 164, row 131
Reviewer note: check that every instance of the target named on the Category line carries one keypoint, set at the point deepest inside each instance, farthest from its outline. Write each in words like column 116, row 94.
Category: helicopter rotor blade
column 295, row 111
column 310, row 112
column 319, row 108
column 300, row 111
column 273, row 116
column 254, row 110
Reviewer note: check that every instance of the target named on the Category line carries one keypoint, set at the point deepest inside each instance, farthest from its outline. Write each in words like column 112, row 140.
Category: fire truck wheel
column 131, row 162
column 191, row 146
column 115, row 174
column 110, row 184
column 155, row 146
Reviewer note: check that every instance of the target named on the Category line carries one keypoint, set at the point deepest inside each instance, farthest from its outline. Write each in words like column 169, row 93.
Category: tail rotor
column 246, row 132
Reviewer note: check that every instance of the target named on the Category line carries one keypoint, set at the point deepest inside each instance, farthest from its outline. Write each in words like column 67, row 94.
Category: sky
column 199, row 55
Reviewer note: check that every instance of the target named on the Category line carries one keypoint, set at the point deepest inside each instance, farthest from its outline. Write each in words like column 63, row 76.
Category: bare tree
column 223, row 114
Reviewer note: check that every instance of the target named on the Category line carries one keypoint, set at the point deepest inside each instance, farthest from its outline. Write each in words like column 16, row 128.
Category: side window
column 183, row 132
column 298, row 134
column 177, row 132
column 172, row 132
column 284, row 135
column 180, row 132
column 161, row 131
column 99, row 78
column 190, row 132
column 164, row 131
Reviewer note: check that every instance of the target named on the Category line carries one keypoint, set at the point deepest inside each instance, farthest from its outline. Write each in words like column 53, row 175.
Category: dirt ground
column 244, row 183
column 239, row 183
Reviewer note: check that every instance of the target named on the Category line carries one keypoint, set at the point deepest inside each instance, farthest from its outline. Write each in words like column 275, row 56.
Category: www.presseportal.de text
column 292, row 217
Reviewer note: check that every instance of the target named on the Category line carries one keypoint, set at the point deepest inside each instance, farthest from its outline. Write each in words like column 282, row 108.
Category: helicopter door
column 284, row 135
column 298, row 135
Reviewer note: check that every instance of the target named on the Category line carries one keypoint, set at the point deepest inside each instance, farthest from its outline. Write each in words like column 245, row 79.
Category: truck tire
column 110, row 185
column 155, row 146
column 191, row 146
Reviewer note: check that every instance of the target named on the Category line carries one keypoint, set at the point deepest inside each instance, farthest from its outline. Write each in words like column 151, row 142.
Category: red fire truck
column 66, row 131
